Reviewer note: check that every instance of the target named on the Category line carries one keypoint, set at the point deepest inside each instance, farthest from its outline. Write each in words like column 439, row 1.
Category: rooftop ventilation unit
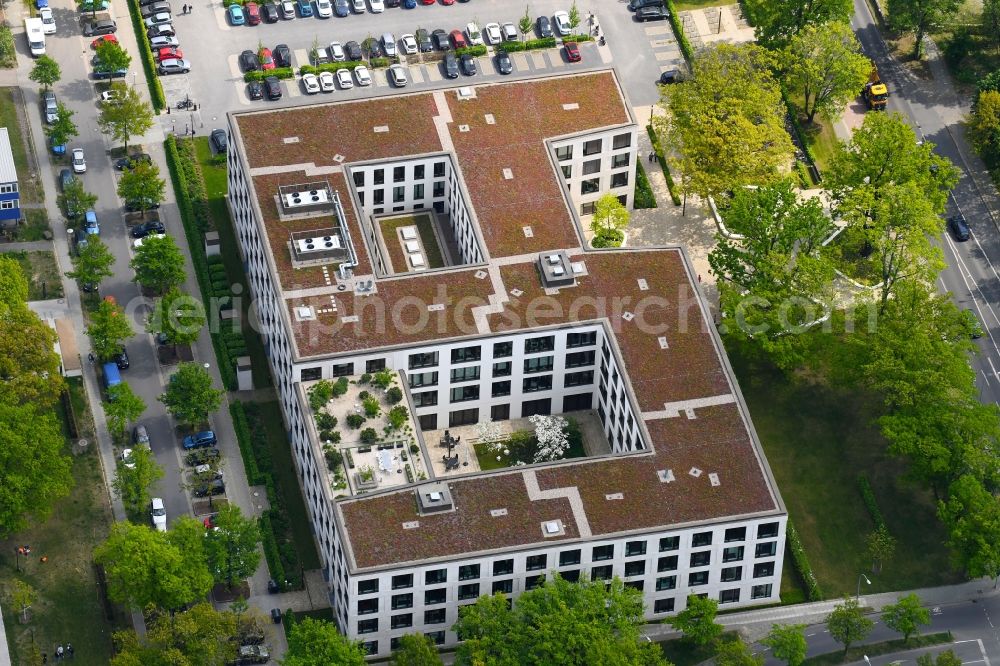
column 306, row 198
column 318, row 244
column 434, row 498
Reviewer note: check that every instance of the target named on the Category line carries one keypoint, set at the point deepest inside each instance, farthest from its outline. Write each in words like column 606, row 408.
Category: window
column 428, row 422
column 466, row 374
column 500, row 412
column 369, row 586
column 587, row 208
column 603, row 553
column 435, row 616
column 567, row 171
column 763, row 570
column 378, row 198
column 468, row 571
column 438, row 189
column 463, row 417
column 423, row 379
column 418, row 191
column 503, row 586
column 633, row 548
column 545, row 343
column 503, row 349
column 581, row 339
column 398, row 174
column 8, row 188
column 425, row 399
column 532, row 407
column 436, row 636
column 424, row 360
column 379, row 175
column 503, row 567
column 663, row 606
column 371, row 647
column 621, row 141
column 564, row 153
column 729, row 596
column 502, row 369
column 568, row 558
column 531, row 582
column 698, row 578
column 400, row 601
column 701, row 539
column 439, row 169
column 602, row 573
column 635, row 584
column 578, row 378
column 436, row 577
column 465, row 354
column 538, row 364
column 463, row 393
column 401, row 621
column 667, row 563
column 368, row 626
column 666, row 583
column 732, row 554
column 701, row 559
column 760, row 591
column 501, row 389
column 535, row 562
column 577, row 359
column 591, row 166
column 311, row 374
column 736, row 534
column 571, row 575
column 438, row 596
column 766, row 549
column 590, row 185
column 767, row 531
column 367, row 606
column 394, row 643
column 635, row 568
column 732, row 574
column 532, row 384
column 670, row 543
column 398, row 193
column 342, row 369
column 468, row 591
column 359, row 178
column 619, row 179
column 592, row 147
column 374, row 365
column 620, row 160
column 418, row 172
column 401, row 581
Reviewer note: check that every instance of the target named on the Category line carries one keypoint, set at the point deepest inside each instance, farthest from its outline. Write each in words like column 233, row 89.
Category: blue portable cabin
column 10, row 197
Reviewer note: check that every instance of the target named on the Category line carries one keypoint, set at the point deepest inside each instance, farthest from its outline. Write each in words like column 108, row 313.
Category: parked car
column 561, row 21
column 66, row 179
column 358, row 6
column 266, row 59
column 102, row 71
column 177, row 66
column 132, row 161
column 409, row 44
column 270, row 12
column 458, row 39
column 353, row 50
column 492, row 34
column 327, row 80
column 200, row 440
column 543, row 26
column 57, row 148
column 253, row 654
column 959, row 227
column 168, row 52
column 121, row 359
column 255, row 90
column 48, row 23
column 165, row 30
column 138, row 242
column 163, row 41
column 140, row 436
column 282, row 55
column 155, row 8
column 305, row 8
column 104, row 38
column 50, row 106
column 344, row 79
column 341, row 7
column 377, row 6
column 253, row 13
column 213, row 487
column 319, row 55
column 424, row 41
column 219, row 140
column 572, row 51
column 127, row 459
column 147, row 228
column 651, row 13
column 159, row 514
column 310, row 83
column 388, row 43
column 450, row 64
column 441, row 41
column 509, row 31
column 973, row 325
column 468, row 63
column 236, row 15
column 202, row 457
column 79, row 163
column 409, row 4
column 504, row 64
column 157, row 19
column 336, row 50
column 634, row 5
column 397, row 76
column 249, row 61
column 669, row 77
column 287, row 10
column 324, row 8
column 102, row 27
column 90, row 223
column 363, row 76
column 475, row 34
column 95, row 6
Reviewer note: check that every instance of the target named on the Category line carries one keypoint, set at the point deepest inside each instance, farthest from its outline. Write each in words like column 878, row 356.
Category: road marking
column 301, row 57
column 963, row 269
column 993, row 368
column 241, row 93
column 416, row 74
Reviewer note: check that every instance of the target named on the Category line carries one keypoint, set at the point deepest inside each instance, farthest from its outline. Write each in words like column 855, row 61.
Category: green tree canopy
column 609, row 221
column 133, row 481
column 984, row 127
column 906, row 615
column 788, row 643
column 777, row 21
column 946, row 658
column 178, row 316
column 190, row 396
column 29, row 364
column 318, row 643
column 141, row 186
column 847, row 623
column 736, row 653
column 75, row 200
column 92, row 263
column 113, row 56
column 824, row 64
column 122, row 407
column 697, row 620
column 158, row 264
column 45, row 72
column 416, row 650
column 109, row 329
column 13, row 284
column 972, row 515
column 919, row 16
column 62, row 129
column 198, row 636
column 127, row 116
column 231, row 549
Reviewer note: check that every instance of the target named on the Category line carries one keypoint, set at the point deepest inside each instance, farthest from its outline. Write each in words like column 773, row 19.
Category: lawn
column 818, row 441
column 423, row 223
column 27, row 173
column 489, row 459
column 687, row 5
column 42, row 273
column 822, row 141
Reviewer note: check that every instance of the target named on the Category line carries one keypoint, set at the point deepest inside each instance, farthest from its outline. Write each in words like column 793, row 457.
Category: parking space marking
column 658, row 30
column 485, row 66
column 378, row 77
column 293, row 87
column 433, row 72
column 302, row 57
column 666, row 55
column 662, row 43
column 416, row 73
column 220, row 18
column 520, row 61
column 234, row 66
column 241, row 93
column 555, row 58
column 537, row 60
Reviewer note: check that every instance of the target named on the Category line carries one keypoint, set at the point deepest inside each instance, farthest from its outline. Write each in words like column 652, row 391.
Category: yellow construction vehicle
column 875, row 92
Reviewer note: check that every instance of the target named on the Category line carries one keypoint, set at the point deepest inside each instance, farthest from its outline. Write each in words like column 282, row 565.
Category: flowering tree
column 489, row 432
column 550, row 431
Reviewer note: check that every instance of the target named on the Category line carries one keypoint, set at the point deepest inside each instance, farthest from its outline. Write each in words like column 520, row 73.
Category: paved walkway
column 27, row 246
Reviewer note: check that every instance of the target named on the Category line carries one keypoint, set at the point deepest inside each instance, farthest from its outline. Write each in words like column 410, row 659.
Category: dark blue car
column 305, row 8
column 199, row 440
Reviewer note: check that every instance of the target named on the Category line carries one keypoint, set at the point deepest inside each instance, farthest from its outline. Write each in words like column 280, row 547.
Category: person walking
column 69, row 650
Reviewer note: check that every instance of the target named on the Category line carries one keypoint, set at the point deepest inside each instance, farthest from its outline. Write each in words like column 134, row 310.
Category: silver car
column 397, row 76
column 389, row 44
column 174, row 66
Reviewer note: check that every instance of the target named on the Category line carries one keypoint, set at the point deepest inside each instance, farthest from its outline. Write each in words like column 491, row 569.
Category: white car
column 48, row 23
column 337, row 52
column 159, row 514
column 397, row 76
column 475, row 36
column 378, row 6
column 311, row 83
column 326, row 80
column 288, row 9
column 409, row 44
column 163, row 42
column 137, row 243
column 389, row 44
column 492, row 33
column 344, row 79
column 127, row 458
column 79, row 164
column 561, row 21
column 358, row 6
column 111, row 96
column 324, row 8
column 363, row 76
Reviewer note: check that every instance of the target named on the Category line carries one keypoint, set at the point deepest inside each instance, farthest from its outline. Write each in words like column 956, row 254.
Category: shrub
column 369, row 435
column 398, row 416
column 644, row 197
column 379, row 62
column 661, row 158
column 334, row 458
column 682, row 40
column 349, row 458
column 578, row 38
column 608, row 238
column 478, row 50
column 280, row 72
column 372, row 408
column 340, row 387
column 8, row 52
column 394, row 395
column 414, row 448
column 868, row 495
column 328, row 67
column 543, row 43
column 325, row 421
column 354, row 421
column 364, row 395
column 320, row 394
column 801, row 563
column 365, row 378
column 366, row 473
column 409, row 474
column 383, row 378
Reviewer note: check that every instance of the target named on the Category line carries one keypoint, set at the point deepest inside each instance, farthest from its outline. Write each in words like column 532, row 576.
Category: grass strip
column 858, row 652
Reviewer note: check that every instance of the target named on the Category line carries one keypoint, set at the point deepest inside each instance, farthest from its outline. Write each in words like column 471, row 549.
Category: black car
column 202, row 457
column 270, row 13
column 215, row 487
column 424, row 41
column 959, row 228
column 272, row 86
column 450, row 64
column 654, row 13
column 255, row 90
column 249, row 61
column 633, row 5
column 66, row 179
column 132, row 161
column 219, row 140
column 468, row 65
column 155, row 8
column 353, row 51
column 282, row 55
column 670, row 76
column 121, row 359
column 504, row 63
column 543, row 26
column 391, row 3
column 147, row 228
column 441, row 40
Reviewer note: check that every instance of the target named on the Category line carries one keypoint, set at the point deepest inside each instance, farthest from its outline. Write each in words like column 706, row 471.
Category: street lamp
column 860, row 578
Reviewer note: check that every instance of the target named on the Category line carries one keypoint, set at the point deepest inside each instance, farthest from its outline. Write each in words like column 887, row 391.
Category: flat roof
column 8, row 174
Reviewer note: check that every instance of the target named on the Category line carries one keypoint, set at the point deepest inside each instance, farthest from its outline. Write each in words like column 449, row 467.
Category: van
column 112, row 377
column 34, row 30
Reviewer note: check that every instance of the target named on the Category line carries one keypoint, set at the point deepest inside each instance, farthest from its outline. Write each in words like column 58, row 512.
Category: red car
column 572, row 51
column 427, row 2
column 448, row 2
column 458, row 39
column 103, row 38
column 169, row 52
column 266, row 59
column 253, row 13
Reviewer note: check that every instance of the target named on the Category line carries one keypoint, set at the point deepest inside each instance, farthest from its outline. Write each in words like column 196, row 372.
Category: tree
column 129, row 115
column 13, row 284
column 24, row 597
column 777, row 21
column 109, row 329
column 198, row 636
column 550, row 431
column 141, row 186
column 725, row 125
column 113, row 57
column 972, row 516
column 574, row 15
column 984, row 127
column 825, row 64
column 787, row 643
column 231, row 549
column 416, row 650
column 143, row 567
column 906, row 615
column 318, row 643
column 847, row 624
column 63, row 129
column 881, row 547
column 29, row 363
column 75, row 200
column 189, row 396
column 991, row 21
column 918, row 17
column 524, row 23
column 946, row 658
column 736, row 653
column 34, row 471
column 178, row 316
column 158, row 264
column 602, row 621
column 697, row 621
column 134, row 479
column 609, row 222
column 45, row 72
column 122, row 407
column 92, row 263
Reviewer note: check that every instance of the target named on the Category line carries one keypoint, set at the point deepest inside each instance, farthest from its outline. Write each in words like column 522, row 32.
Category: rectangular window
column 422, row 379
column 401, row 601
column 418, row 191
column 635, row 568
column 635, row 584
column 698, row 578
column 439, row 169
column 367, row 606
column 342, row 369
column 667, row 563
column 436, row 636
column 578, row 359
column 732, row 574
column 311, row 374
column 666, row 583
column 425, row 399
column 736, row 534
column 587, row 208
column 467, row 374
column 619, row 179
column 760, row 591
column 468, row 571
column 729, row 596
column 591, row 166
column 602, row 573
column 398, row 174
column 767, row 531
column 571, row 575
column 402, row 581
column 531, row 582
column 732, row 554
column 670, row 543
column 398, row 193
column 368, row 626
column 418, row 172
column 567, row 171
column 568, row 558
column 538, row 364
column 503, row 349
column 532, row 384
column 438, row 189
column 603, row 553
column 532, row 407
column 500, row 412
column 401, row 621
column 428, row 421
column 463, row 393
column 378, row 198
column 701, row 539
column 590, row 185
column 620, row 160
column 503, row 586
column 633, row 548
column 701, row 559
column 578, row 378
column 359, row 178
column 502, row 369
column 663, row 606
column 8, row 188
column 544, row 343
column 468, row 591
column 379, row 175
column 766, row 549
column 501, row 389
column 436, row 577
column 370, row 647
column 535, row 562
column 503, row 567
column 438, row 596
column 763, row 570
column 423, row 360
column 581, row 339
column 592, row 147
column 463, row 417
column 435, row 616
column 621, row 141
column 368, row 586
column 564, row 153
column 374, row 365
column 466, row 354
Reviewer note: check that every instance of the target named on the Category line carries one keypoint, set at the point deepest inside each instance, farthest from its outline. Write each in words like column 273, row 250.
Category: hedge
column 661, row 158
column 868, row 495
column 329, row 67
column 280, row 72
column 271, row 553
column 156, row 96
column 682, row 40
column 478, row 50
column 379, row 62
column 544, row 43
column 801, row 563
column 799, row 134
column 644, row 197
column 578, row 38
